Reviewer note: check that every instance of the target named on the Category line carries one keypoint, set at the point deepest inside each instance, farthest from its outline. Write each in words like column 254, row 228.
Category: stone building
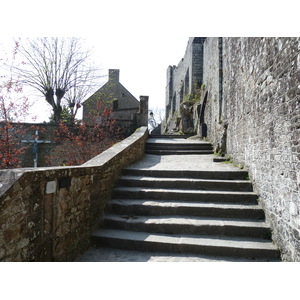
column 24, row 133
column 126, row 109
column 182, row 80
column 250, row 104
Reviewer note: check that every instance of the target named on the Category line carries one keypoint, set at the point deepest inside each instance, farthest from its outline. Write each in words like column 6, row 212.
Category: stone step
column 169, row 136
column 161, row 207
column 186, row 183
column 105, row 254
column 184, row 195
column 179, row 146
column 177, row 152
column 221, row 175
column 204, row 245
column 193, row 207
column 188, row 225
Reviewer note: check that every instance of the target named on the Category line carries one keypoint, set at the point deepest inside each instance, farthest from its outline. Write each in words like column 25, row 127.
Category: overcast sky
column 142, row 60
column 142, row 38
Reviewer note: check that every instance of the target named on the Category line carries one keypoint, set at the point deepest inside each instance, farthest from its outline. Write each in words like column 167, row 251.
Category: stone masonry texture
column 261, row 105
column 129, row 113
column 182, row 81
column 253, row 105
column 48, row 214
column 265, row 126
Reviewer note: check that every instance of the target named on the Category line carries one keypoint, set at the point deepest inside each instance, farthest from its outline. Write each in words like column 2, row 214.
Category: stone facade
column 261, row 90
column 212, row 79
column 127, row 110
column 182, row 80
column 48, row 214
column 253, row 90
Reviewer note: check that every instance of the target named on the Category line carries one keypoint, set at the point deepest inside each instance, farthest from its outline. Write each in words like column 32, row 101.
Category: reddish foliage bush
column 14, row 107
column 79, row 142
column 10, row 146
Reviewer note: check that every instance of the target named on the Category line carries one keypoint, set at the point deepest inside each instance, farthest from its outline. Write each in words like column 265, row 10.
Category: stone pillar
column 114, row 75
column 142, row 116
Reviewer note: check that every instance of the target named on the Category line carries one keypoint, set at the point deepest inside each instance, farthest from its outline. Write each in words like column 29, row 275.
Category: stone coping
column 116, row 149
column 10, row 176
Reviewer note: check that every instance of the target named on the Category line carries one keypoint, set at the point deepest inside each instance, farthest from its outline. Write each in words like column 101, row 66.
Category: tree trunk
column 57, row 113
column 56, row 105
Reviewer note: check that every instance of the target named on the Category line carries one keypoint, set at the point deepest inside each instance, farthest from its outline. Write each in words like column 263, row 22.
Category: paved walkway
column 182, row 163
column 162, row 162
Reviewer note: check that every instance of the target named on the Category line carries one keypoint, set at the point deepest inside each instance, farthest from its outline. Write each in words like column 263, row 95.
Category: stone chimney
column 113, row 75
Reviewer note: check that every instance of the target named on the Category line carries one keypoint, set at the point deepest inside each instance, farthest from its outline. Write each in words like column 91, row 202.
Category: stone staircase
column 210, row 212
column 180, row 147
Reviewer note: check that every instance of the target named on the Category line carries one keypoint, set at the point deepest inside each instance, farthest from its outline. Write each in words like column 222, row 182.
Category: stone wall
column 182, row 80
column 48, row 214
column 129, row 113
column 211, row 79
column 260, row 102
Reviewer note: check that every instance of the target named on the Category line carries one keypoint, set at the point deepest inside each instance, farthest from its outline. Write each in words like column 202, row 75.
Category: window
column 115, row 105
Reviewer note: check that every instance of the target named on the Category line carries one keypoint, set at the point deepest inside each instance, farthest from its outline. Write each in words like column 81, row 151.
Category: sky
column 141, row 38
column 142, row 60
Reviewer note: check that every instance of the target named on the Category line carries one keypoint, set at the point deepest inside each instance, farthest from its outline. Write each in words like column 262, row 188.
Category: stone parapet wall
column 260, row 103
column 48, row 214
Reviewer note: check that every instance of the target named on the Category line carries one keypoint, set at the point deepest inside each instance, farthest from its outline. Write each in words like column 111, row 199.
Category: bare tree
column 58, row 68
column 13, row 108
column 78, row 93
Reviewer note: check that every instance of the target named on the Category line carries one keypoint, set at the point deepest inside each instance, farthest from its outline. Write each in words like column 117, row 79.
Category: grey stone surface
column 95, row 254
column 103, row 254
column 191, row 208
column 261, row 106
column 212, row 234
column 253, row 88
column 126, row 109
column 178, row 243
column 177, row 162
column 191, row 225
column 39, row 222
column 177, row 147
column 181, row 82
column 8, row 178
column 189, row 183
